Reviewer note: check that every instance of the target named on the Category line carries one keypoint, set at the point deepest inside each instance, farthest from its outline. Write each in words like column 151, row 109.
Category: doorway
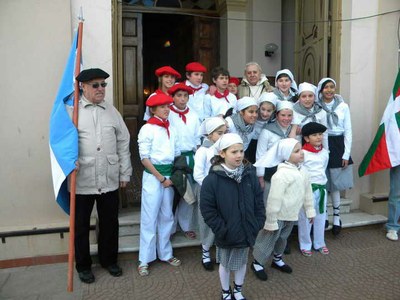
column 145, row 40
column 167, row 41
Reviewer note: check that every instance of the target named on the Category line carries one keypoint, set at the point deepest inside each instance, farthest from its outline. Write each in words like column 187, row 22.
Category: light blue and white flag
column 63, row 136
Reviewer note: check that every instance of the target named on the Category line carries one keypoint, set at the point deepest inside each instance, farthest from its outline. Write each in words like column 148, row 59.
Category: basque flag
column 63, row 137
column 384, row 152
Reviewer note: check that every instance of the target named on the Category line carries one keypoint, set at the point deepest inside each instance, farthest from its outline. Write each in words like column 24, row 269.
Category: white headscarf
column 278, row 153
column 245, row 102
column 227, row 140
column 210, row 124
column 321, row 82
column 284, row 105
column 305, row 86
column 267, row 97
column 288, row 73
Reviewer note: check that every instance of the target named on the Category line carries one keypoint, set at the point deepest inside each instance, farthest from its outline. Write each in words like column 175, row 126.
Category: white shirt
column 343, row 127
column 265, row 141
column 187, row 134
column 196, row 100
column 214, row 106
column 321, row 119
column 202, row 163
column 315, row 163
column 155, row 145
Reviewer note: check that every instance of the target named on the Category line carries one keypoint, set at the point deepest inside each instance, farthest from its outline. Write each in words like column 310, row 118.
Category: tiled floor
column 363, row 264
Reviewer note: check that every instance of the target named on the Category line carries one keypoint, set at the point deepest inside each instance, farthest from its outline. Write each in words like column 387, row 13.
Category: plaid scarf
column 242, row 129
column 235, row 174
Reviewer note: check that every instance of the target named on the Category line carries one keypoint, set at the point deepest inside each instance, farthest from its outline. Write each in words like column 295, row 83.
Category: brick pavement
column 363, row 264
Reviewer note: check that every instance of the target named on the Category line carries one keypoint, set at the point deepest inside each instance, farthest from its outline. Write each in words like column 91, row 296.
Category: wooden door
column 311, row 51
column 129, row 93
column 206, row 44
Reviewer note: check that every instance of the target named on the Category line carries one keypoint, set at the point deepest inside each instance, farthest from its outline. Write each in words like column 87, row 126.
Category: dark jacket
column 234, row 211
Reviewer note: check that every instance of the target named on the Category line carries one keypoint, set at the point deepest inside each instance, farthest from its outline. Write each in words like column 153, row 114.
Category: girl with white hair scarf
column 232, row 205
column 285, row 86
column 340, row 166
column 212, row 129
column 307, row 110
column 290, row 190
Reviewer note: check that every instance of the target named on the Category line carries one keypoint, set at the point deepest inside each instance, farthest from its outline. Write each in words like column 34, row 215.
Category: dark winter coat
column 234, row 211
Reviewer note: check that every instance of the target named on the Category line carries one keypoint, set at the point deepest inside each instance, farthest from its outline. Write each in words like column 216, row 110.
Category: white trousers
column 156, row 220
column 304, row 226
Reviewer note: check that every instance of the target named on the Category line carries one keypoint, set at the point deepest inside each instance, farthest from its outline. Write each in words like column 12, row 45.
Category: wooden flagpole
column 71, row 252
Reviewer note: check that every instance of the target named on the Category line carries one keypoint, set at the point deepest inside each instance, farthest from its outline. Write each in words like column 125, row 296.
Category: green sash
column 165, row 170
column 190, row 155
column 321, row 188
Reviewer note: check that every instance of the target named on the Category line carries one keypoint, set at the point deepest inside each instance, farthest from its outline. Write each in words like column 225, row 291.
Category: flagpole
column 71, row 251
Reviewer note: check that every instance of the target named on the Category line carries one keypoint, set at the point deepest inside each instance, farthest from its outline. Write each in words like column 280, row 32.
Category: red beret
column 234, row 80
column 195, row 67
column 180, row 87
column 158, row 99
column 167, row 70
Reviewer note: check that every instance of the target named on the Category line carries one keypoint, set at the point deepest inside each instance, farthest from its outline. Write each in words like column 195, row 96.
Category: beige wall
column 35, row 38
column 35, row 41
column 368, row 71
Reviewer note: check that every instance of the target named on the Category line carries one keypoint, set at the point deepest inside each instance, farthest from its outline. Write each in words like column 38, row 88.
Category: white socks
column 336, row 207
column 206, row 254
column 224, row 277
column 278, row 260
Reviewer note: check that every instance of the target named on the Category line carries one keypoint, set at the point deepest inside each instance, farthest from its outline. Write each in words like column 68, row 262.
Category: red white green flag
column 384, row 152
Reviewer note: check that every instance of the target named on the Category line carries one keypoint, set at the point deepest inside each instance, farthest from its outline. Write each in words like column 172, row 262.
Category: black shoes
column 337, row 228
column 114, row 270
column 285, row 268
column 208, row 266
column 260, row 274
column 86, row 276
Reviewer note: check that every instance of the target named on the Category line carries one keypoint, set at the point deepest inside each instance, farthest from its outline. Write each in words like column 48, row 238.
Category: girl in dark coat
column 232, row 206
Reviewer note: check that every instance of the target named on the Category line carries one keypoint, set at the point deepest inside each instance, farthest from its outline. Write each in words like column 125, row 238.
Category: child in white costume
column 186, row 124
column 157, row 148
column 222, row 100
column 315, row 161
column 212, row 129
column 271, row 134
column 194, row 79
column 242, row 122
column 340, row 165
column 306, row 110
column 285, row 86
column 167, row 77
column 290, row 190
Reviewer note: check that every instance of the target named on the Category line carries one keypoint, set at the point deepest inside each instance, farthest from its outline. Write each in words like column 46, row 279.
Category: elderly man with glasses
column 103, row 166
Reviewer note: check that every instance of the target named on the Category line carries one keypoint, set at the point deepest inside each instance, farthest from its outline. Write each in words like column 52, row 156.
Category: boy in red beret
column 194, row 79
column 167, row 77
column 157, row 149
column 233, row 84
column 222, row 101
column 186, row 123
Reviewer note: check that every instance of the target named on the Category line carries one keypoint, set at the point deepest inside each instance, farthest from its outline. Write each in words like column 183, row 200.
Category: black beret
column 311, row 128
column 89, row 74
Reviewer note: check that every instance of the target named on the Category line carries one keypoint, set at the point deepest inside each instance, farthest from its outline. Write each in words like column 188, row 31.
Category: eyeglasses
column 96, row 85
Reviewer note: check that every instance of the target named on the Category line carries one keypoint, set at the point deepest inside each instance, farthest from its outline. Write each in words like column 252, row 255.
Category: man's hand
column 123, row 184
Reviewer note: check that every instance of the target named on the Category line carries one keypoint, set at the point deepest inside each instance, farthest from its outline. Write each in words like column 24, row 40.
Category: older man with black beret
column 103, row 166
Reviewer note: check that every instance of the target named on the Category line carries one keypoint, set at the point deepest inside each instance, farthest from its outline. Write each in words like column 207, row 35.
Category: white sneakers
column 392, row 235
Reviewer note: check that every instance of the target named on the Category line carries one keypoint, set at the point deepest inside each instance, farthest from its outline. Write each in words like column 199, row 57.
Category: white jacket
column 290, row 190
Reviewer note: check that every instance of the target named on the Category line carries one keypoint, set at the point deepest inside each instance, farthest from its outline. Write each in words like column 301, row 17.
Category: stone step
column 129, row 221
column 345, row 206
column 130, row 243
column 356, row 218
